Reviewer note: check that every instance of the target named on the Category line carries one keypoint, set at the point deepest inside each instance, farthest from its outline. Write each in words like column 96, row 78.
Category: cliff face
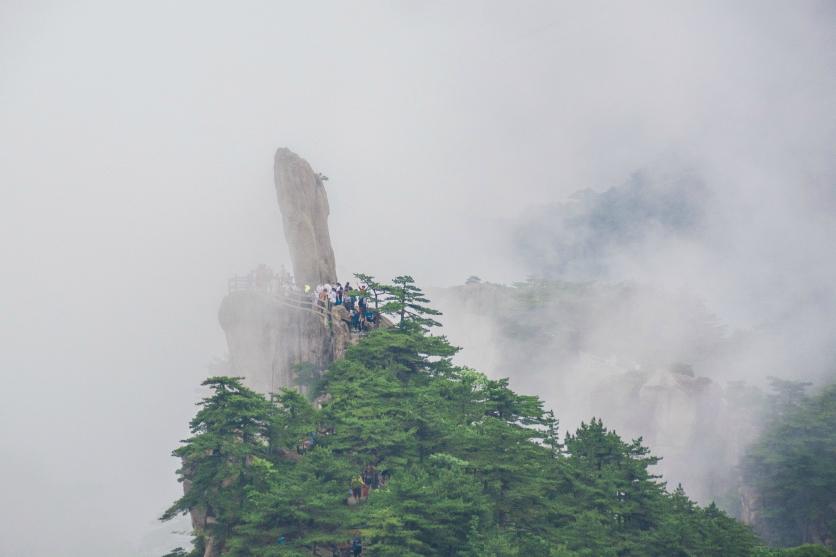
column 271, row 329
column 267, row 337
column 269, row 332
column 304, row 206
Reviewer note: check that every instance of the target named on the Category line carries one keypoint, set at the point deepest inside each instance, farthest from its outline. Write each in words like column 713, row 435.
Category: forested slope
column 455, row 464
column 791, row 470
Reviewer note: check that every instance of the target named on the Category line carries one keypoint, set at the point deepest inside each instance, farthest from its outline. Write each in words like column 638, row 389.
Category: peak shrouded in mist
column 585, row 237
column 649, row 303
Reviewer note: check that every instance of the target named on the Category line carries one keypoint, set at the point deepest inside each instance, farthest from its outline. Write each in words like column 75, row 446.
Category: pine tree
column 474, row 468
column 376, row 289
column 229, row 431
column 407, row 302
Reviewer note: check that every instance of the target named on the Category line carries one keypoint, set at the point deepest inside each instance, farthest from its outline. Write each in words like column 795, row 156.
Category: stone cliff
column 267, row 338
column 270, row 330
column 304, row 207
column 268, row 333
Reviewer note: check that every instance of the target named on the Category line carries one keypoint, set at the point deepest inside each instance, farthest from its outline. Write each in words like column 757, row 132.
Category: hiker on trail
column 357, row 544
column 355, row 319
column 374, row 476
column 348, row 296
column 371, row 318
column 357, row 486
column 332, row 296
column 369, row 475
column 309, row 442
column 362, row 298
column 339, row 294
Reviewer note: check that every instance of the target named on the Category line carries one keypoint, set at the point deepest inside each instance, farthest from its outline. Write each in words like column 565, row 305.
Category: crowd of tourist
column 369, row 479
column 356, row 302
column 361, row 317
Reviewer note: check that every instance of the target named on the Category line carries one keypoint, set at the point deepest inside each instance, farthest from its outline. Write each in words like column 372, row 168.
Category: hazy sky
column 136, row 143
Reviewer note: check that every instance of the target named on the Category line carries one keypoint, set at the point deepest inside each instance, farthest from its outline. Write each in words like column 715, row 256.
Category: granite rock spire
column 304, row 207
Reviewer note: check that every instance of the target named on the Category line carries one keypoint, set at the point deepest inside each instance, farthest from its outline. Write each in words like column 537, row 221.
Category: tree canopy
column 792, row 468
column 470, row 468
column 407, row 302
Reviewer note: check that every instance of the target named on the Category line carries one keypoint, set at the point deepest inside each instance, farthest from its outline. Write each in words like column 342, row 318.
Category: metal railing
column 282, row 291
column 285, row 292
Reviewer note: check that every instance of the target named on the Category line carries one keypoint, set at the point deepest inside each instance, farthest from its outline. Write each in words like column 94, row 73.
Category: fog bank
column 135, row 170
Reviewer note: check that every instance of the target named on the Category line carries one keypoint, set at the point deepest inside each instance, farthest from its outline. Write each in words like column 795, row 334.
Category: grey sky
column 136, row 143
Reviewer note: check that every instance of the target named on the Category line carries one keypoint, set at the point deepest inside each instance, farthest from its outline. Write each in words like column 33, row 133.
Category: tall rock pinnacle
column 269, row 333
column 304, row 207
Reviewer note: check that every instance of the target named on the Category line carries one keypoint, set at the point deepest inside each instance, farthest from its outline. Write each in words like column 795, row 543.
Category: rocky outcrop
column 268, row 333
column 749, row 506
column 271, row 330
column 304, row 207
column 267, row 338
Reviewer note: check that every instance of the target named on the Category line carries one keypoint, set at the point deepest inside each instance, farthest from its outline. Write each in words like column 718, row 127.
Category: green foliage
column 475, row 469
column 309, row 377
column 791, row 468
column 406, row 301
column 376, row 289
column 230, row 429
column 429, row 509
column 807, row 550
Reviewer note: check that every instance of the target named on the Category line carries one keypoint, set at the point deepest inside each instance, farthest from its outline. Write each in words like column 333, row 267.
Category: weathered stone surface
column 269, row 332
column 267, row 338
column 268, row 335
column 304, row 206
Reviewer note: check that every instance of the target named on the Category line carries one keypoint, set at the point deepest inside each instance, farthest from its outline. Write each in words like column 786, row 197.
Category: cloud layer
column 135, row 169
